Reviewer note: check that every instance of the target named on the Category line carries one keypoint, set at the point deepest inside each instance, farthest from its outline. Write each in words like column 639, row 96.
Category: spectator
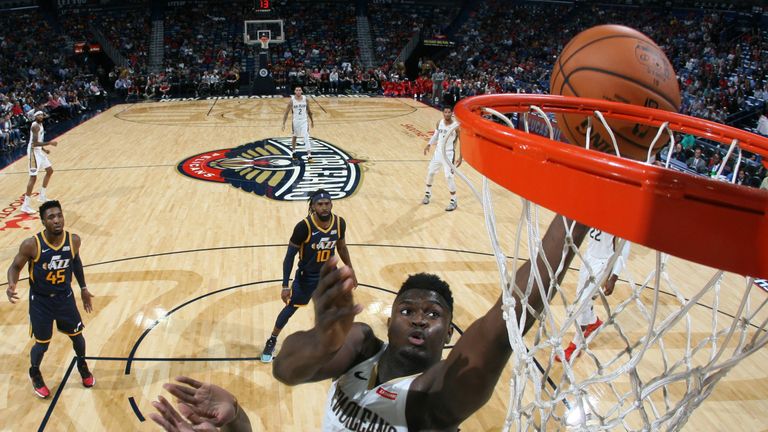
column 696, row 162
column 762, row 122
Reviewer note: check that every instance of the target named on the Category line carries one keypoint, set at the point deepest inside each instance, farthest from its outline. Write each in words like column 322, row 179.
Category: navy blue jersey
column 316, row 245
column 50, row 272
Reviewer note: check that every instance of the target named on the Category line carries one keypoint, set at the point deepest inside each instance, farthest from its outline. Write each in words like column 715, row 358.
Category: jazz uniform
column 50, row 295
column 316, row 245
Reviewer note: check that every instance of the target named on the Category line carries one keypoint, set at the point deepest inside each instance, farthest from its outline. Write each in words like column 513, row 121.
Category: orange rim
column 710, row 222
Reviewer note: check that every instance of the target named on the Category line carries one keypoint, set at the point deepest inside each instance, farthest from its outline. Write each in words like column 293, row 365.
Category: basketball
column 619, row 64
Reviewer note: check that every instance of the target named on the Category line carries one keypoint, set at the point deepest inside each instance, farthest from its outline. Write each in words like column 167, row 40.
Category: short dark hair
column 48, row 205
column 429, row 282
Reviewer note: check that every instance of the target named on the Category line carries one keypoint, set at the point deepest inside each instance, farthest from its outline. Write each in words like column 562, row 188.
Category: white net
column 671, row 329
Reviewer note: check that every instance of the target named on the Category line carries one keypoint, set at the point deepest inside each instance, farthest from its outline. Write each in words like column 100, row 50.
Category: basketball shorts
column 302, row 288
column 300, row 128
column 38, row 161
column 437, row 162
column 44, row 309
column 597, row 266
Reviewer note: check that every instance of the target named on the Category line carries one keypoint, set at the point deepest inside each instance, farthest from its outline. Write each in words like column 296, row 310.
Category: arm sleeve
column 433, row 140
column 621, row 261
column 300, row 233
column 77, row 270
column 288, row 263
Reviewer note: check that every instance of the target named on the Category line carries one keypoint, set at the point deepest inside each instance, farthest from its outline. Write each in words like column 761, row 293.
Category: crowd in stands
column 722, row 65
column 39, row 72
column 394, row 26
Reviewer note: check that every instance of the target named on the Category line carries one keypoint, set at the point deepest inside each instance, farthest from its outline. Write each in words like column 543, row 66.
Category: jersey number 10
column 323, row 255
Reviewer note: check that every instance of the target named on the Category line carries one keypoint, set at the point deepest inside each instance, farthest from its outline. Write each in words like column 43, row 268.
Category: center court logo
column 266, row 168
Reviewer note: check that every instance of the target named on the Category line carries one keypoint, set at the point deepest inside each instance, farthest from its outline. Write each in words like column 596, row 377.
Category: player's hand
column 87, row 299
column 170, row 420
column 426, row 150
column 335, row 308
column 457, row 162
column 609, row 285
column 46, row 150
column 203, row 402
column 285, row 295
column 54, row 143
column 283, row 128
column 13, row 296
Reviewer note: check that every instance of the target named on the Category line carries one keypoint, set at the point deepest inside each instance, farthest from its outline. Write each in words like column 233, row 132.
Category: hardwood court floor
column 186, row 272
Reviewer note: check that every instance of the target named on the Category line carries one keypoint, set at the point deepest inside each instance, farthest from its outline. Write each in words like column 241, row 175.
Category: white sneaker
column 425, row 201
column 42, row 198
column 28, row 210
column 453, row 205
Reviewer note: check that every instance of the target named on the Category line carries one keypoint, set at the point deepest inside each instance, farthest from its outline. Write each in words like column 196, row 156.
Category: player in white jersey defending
column 38, row 160
column 600, row 247
column 446, row 137
column 299, row 105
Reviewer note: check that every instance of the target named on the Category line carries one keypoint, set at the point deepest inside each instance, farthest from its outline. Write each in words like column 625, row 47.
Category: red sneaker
column 592, row 327
column 88, row 379
column 568, row 353
column 41, row 390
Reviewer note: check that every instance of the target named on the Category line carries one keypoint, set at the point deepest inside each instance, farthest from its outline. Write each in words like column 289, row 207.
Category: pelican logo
column 266, row 168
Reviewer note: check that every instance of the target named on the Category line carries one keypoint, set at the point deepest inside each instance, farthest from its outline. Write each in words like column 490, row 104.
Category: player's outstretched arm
column 452, row 390
column 27, row 252
column 333, row 345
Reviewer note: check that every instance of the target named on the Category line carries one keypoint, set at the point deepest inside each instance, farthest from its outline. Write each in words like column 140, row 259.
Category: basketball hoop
column 660, row 365
column 264, row 40
column 555, row 175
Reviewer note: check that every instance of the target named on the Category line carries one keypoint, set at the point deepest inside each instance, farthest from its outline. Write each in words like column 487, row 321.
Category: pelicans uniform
column 316, row 245
column 355, row 403
column 50, row 294
column 600, row 248
column 38, row 160
column 300, row 125
column 446, row 136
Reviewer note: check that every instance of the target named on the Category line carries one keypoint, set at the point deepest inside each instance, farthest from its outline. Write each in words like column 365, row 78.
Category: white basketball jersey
column 299, row 109
column 600, row 245
column 40, row 136
column 446, row 136
column 355, row 404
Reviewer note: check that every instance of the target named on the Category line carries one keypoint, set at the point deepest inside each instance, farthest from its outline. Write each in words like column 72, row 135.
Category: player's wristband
column 286, row 289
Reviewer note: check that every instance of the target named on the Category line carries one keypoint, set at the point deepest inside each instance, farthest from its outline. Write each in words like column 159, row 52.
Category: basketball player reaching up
column 299, row 106
column 52, row 256
column 403, row 384
column 36, row 152
column 446, row 137
column 315, row 239
column 600, row 247
column 396, row 386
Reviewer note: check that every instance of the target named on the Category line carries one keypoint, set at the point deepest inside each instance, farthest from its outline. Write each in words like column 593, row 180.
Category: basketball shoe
column 41, row 390
column 269, row 349
column 572, row 346
column 88, row 379
column 26, row 207
column 452, row 205
column 427, row 196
